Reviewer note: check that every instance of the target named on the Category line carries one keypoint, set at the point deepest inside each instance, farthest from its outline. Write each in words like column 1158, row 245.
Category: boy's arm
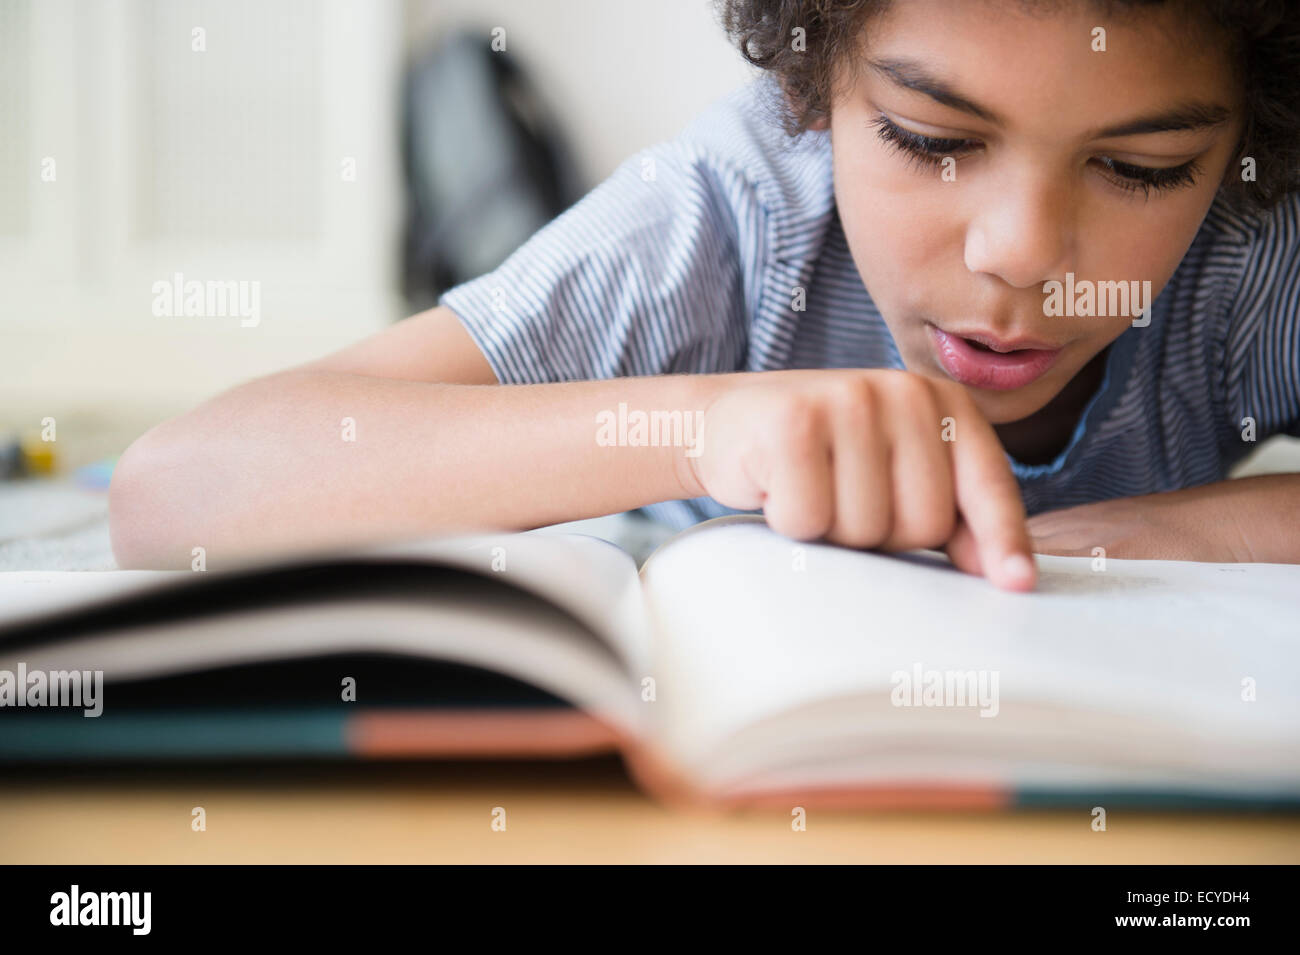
column 1254, row 519
column 400, row 437
column 269, row 465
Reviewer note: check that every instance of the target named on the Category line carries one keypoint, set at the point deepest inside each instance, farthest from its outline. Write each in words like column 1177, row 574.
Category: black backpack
column 484, row 163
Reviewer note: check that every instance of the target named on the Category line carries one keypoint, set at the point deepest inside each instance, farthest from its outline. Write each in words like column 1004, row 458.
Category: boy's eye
column 1133, row 178
column 925, row 150
column 930, row 151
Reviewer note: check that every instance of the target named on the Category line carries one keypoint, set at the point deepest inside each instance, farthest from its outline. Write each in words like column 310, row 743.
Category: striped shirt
column 686, row 260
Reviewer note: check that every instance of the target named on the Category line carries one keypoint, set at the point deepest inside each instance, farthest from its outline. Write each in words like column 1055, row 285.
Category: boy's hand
column 1244, row 519
column 876, row 458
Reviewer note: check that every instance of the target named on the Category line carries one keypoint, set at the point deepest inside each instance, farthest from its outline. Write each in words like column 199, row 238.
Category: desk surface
column 565, row 812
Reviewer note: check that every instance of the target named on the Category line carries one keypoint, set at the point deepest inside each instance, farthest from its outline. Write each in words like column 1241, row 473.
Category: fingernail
column 1018, row 567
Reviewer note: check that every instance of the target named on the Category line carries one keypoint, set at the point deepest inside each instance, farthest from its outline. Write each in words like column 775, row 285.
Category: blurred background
column 319, row 148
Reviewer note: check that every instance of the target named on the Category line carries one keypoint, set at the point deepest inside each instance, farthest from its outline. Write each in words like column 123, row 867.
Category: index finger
column 988, row 498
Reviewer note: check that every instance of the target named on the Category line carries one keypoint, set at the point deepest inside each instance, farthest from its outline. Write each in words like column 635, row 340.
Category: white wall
column 193, row 137
column 113, row 91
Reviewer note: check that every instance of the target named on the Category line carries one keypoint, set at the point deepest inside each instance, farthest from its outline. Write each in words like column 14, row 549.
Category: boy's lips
column 1002, row 365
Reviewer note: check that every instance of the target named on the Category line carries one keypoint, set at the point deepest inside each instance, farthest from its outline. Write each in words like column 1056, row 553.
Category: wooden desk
column 566, row 812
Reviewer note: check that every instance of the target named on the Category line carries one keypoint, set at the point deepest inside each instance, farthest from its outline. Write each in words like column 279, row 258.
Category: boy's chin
column 1008, row 407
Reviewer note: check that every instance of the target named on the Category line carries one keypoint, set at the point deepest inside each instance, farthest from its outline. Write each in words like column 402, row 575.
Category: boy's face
column 965, row 246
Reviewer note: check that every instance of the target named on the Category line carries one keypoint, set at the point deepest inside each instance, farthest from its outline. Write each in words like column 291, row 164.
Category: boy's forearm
column 317, row 458
column 1255, row 519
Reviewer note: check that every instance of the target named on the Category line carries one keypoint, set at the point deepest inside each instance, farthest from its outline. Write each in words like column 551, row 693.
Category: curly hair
column 1263, row 38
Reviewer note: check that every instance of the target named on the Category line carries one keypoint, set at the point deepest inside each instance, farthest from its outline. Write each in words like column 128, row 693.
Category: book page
column 588, row 577
column 749, row 625
column 562, row 612
column 514, row 635
column 31, row 593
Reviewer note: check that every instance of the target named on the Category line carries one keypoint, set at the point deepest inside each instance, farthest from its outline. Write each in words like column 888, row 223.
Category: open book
column 736, row 667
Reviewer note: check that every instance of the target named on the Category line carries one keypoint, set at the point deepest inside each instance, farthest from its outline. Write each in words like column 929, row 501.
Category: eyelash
column 923, row 150
column 927, row 151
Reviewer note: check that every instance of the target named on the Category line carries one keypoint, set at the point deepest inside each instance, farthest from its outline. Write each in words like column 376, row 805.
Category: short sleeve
column 1262, row 347
column 645, row 275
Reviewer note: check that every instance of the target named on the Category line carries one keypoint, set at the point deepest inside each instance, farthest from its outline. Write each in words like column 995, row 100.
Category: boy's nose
column 1023, row 234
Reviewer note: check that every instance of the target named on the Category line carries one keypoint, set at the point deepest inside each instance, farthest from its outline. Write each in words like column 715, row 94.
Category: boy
column 866, row 318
